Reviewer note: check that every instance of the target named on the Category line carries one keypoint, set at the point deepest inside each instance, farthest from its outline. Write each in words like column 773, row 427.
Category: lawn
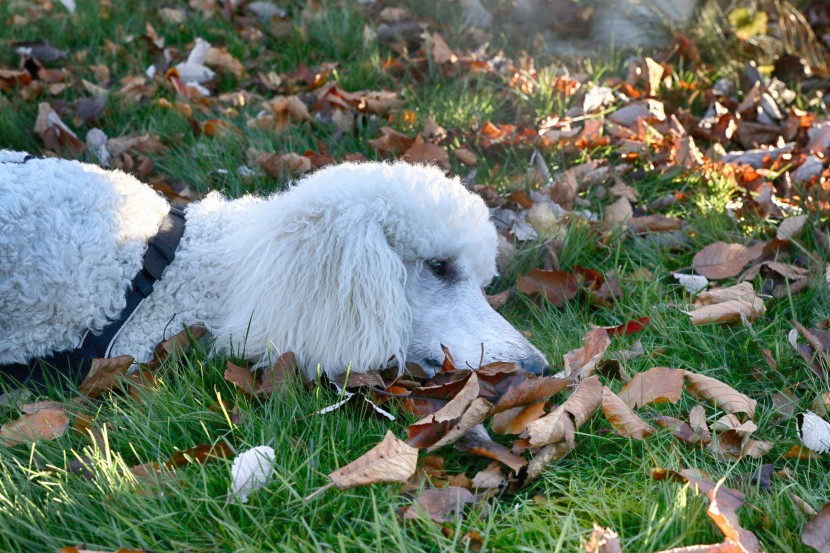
column 334, row 81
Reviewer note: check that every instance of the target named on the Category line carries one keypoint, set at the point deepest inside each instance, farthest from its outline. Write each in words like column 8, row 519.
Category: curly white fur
column 336, row 269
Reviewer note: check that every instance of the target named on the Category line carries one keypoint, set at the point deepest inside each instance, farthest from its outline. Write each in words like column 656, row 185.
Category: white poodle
column 353, row 265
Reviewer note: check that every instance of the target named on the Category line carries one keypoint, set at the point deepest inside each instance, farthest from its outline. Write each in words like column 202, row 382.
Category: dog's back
column 72, row 236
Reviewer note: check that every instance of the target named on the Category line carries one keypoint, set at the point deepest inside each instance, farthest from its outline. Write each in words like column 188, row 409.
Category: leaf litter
column 782, row 145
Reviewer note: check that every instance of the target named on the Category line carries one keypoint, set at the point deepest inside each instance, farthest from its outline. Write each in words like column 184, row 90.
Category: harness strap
column 74, row 365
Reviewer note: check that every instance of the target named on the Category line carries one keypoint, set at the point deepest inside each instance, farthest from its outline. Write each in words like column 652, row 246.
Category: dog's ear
column 329, row 288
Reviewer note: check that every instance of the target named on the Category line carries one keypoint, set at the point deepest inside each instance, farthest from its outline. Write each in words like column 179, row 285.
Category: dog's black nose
column 535, row 364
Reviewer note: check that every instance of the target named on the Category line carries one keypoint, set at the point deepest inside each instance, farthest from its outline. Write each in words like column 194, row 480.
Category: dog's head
column 360, row 262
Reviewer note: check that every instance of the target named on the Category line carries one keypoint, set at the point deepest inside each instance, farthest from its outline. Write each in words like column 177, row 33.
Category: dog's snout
column 535, row 364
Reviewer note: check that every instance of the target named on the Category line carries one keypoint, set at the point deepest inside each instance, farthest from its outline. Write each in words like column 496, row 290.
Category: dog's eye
column 439, row 267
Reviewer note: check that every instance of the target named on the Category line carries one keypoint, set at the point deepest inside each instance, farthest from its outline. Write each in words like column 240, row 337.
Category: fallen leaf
column 816, row 533
column 529, row 391
column 656, row 385
column 603, row 540
column 55, row 134
column 580, row 363
column 791, row 227
column 719, row 394
column 432, row 428
column 557, row 286
column 723, row 505
column 475, row 414
column 736, row 303
column 440, row 504
column 200, row 454
column 618, row 212
column 177, row 344
column 733, row 440
column 463, row 155
column 489, row 478
column 654, row 223
column 428, row 154
column 515, row 420
column 48, row 424
column 477, row 442
column 545, row 456
column 563, row 421
column 625, row 421
column 281, row 166
column 800, row 452
column 629, row 327
column 721, row 260
column 392, row 460
column 441, row 53
column 104, row 374
column 684, row 431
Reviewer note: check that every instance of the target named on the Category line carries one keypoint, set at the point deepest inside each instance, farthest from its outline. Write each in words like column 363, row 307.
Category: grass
column 605, row 480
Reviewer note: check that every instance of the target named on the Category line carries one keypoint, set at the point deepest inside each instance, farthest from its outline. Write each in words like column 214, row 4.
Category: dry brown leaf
column 243, row 377
column 656, row 385
column 441, row 53
column 489, row 478
column 580, row 363
column 545, row 456
column 531, row 390
column 440, row 504
column 721, row 260
column 735, row 303
column 55, row 134
column 603, row 540
column 733, row 440
column 283, row 165
column 177, row 344
column 654, row 223
column 465, row 156
column 625, row 421
column 391, row 142
column 104, row 374
column 392, row 460
column 515, row 420
column 684, row 431
column 618, row 212
column 477, row 442
column 791, row 227
column 742, row 291
column 432, row 428
column 283, row 369
column 816, row 533
column 800, row 452
column 475, row 414
column 224, row 61
column 719, row 394
column 48, row 424
column 562, row 422
column 201, row 454
column 557, row 286
column 429, row 154
column 723, row 505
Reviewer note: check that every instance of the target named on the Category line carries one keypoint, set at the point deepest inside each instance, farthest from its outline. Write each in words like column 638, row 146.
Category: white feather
column 251, row 470
column 814, row 432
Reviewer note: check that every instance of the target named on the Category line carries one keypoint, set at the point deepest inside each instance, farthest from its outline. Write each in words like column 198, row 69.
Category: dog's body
column 354, row 265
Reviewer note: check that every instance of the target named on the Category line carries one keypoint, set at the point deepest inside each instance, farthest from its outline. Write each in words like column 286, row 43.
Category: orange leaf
column 656, row 385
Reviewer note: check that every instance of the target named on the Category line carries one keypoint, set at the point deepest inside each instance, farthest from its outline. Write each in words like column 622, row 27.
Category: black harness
column 72, row 366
